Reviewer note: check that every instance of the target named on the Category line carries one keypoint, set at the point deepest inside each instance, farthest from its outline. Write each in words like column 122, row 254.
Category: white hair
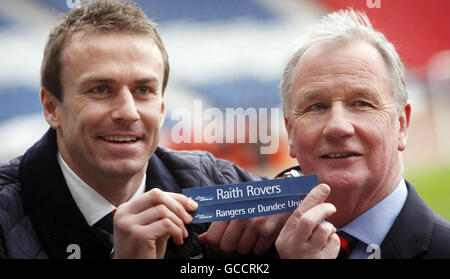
column 339, row 29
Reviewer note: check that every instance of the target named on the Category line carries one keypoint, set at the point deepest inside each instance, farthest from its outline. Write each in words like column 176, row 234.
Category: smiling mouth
column 339, row 155
column 120, row 139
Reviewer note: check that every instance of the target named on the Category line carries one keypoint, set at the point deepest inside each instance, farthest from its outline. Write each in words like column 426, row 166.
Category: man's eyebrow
column 146, row 80
column 308, row 96
column 98, row 79
column 93, row 78
column 111, row 80
column 363, row 91
column 367, row 92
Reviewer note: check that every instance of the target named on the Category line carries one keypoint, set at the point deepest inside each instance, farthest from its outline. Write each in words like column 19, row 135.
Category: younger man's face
column 112, row 108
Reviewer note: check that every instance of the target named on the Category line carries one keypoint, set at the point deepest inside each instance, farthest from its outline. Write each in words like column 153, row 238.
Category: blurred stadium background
column 229, row 54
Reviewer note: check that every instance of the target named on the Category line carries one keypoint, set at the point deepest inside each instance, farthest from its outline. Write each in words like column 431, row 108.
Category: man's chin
column 343, row 180
column 124, row 168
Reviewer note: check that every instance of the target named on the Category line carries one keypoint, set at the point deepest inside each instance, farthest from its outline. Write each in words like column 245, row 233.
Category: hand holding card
column 249, row 199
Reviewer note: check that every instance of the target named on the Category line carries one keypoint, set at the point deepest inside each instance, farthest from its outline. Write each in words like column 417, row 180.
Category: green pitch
column 433, row 185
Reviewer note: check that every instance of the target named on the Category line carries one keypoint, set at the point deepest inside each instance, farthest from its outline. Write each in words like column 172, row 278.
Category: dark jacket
column 40, row 219
column 418, row 232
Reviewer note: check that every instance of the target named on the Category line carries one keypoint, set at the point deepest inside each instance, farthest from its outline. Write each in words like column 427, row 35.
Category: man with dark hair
column 97, row 185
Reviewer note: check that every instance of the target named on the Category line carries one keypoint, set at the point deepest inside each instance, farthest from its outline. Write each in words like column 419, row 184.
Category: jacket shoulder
column 17, row 236
column 9, row 185
column 204, row 165
column 9, row 172
column 440, row 241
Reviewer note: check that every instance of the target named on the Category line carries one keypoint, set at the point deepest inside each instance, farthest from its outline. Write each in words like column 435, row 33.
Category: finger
column 310, row 219
column 313, row 216
column 214, row 233
column 268, row 231
column 161, row 245
column 331, row 250
column 146, row 241
column 316, row 196
column 149, row 199
column 153, row 214
column 203, row 238
column 262, row 245
column 248, row 240
column 232, row 234
column 321, row 235
column 261, row 233
column 188, row 203
column 155, row 197
column 158, row 230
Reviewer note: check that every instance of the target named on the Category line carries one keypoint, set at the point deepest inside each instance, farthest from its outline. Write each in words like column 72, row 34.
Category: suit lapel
column 410, row 235
column 159, row 176
column 55, row 215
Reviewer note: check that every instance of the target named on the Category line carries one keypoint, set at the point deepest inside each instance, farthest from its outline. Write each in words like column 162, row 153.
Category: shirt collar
column 372, row 226
column 92, row 205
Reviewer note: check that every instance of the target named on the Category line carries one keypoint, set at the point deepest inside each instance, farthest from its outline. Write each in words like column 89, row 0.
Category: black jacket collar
column 411, row 233
column 54, row 213
column 158, row 175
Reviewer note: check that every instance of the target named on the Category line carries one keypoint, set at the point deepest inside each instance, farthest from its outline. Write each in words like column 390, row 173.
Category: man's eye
column 361, row 104
column 142, row 90
column 318, row 106
column 100, row 90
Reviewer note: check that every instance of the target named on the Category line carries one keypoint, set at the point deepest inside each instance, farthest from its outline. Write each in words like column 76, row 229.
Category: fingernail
column 325, row 189
column 192, row 204
column 187, row 217
column 203, row 237
column 332, row 207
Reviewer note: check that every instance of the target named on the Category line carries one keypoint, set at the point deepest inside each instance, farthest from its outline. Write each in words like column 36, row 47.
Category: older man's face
column 109, row 120
column 343, row 121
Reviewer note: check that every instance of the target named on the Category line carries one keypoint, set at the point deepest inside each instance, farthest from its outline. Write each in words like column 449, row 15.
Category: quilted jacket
column 40, row 219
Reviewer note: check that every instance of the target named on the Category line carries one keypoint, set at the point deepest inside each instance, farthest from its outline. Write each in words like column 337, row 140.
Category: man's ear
column 290, row 138
column 49, row 105
column 404, row 124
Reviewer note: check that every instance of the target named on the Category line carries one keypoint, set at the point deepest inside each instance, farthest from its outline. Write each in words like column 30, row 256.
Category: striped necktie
column 348, row 242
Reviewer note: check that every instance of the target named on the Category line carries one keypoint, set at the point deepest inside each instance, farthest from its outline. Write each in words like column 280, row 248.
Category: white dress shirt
column 92, row 205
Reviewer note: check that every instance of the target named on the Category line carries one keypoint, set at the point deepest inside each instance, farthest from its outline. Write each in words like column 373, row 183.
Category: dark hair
column 95, row 17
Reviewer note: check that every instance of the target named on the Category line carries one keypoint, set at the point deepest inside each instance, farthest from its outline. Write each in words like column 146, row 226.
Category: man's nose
column 338, row 123
column 125, row 109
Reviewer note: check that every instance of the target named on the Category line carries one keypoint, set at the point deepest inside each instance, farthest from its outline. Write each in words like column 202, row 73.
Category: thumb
column 161, row 245
column 203, row 238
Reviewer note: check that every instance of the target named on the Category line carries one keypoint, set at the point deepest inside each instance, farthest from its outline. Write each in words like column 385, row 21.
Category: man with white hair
column 347, row 117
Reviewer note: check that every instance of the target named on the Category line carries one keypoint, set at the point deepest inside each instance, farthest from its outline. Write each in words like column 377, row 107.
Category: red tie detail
column 345, row 245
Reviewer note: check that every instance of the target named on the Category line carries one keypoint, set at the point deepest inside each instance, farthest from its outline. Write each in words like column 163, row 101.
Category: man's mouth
column 339, row 155
column 120, row 139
